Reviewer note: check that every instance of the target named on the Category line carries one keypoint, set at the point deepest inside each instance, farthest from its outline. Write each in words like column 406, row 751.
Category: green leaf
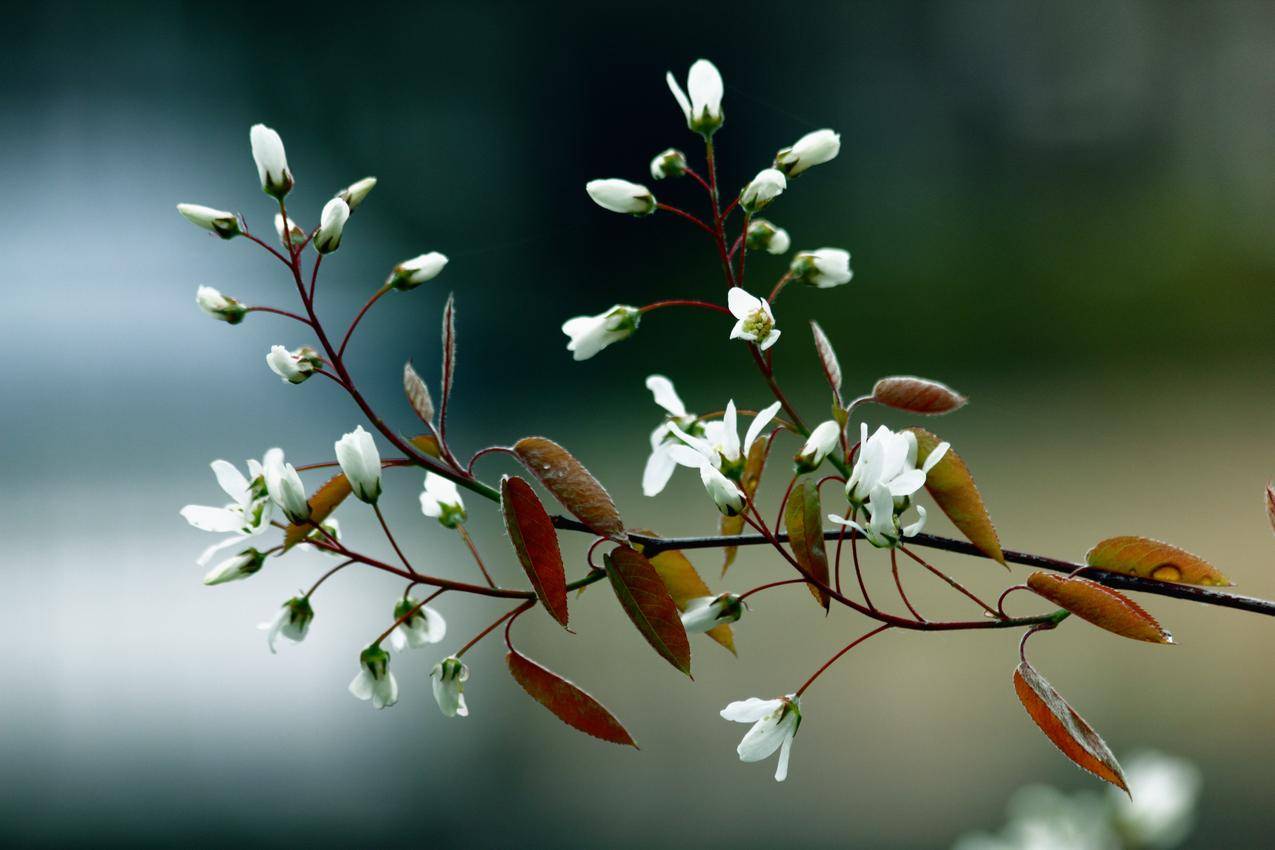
column 644, row 598
column 536, row 542
column 952, row 488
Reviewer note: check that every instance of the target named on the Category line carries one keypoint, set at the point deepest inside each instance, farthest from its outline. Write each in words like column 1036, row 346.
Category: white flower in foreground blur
column 361, row 462
column 336, row 213
column 823, row 269
column 223, row 308
column 818, row 446
column 660, row 464
column 668, row 163
column 449, row 677
column 441, row 500
column 720, row 446
column 708, row 612
column 354, row 194
column 764, row 188
column 293, row 367
column 240, row 566
column 811, row 149
column 410, row 274
column 884, row 529
column 224, row 224
column 375, row 682
column 1164, row 792
column 285, row 488
column 296, row 233
column 272, row 162
column 888, row 458
column 775, row 723
column 292, row 621
column 766, row 236
column 424, row 627
column 756, row 320
column 703, row 107
column 621, row 196
column 591, row 334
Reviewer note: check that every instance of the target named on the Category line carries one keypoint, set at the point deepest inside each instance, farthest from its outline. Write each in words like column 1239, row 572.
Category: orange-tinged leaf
column 1142, row 556
column 803, row 519
column 952, row 488
column 749, row 481
column 1065, row 728
column 683, row 584
column 648, row 604
column 1106, row 608
column 417, row 394
column 322, row 504
column 827, row 359
column 572, row 706
column 917, row 395
column 427, row 443
column 536, row 541
column 571, row 484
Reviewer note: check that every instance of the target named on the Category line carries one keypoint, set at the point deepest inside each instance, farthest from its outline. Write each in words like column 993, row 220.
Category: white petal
column 730, row 431
column 935, row 456
column 665, row 396
column 781, row 770
column 658, row 471
column 361, row 686
column 759, row 423
column 678, row 94
column 687, row 456
column 231, row 480
column 915, row 528
column 907, row 483
column 750, row 710
column 206, row 555
column 398, row 639
column 212, row 519
column 766, row 736
column 771, row 339
column 742, row 305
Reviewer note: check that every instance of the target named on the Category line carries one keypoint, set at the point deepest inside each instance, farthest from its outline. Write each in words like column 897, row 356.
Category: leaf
column 1142, row 556
column 952, row 487
column 804, row 520
column 417, row 394
column 647, row 602
column 1068, row 730
column 449, row 349
column 427, row 443
column 1270, row 504
column 828, row 359
column 572, row 706
column 749, row 481
column 536, row 542
column 322, row 504
column 917, row 395
column 571, row 484
column 683, row 584
column 1104, row 607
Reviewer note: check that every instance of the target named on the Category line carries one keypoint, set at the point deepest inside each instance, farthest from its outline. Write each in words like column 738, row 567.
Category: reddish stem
column 878, row 630
column 684, row 302
column 376, row 296
column 894, row 569
column 684, row 214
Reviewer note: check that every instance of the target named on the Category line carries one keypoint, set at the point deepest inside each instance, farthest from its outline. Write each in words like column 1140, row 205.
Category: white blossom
column 236, row 567
column 708, row 612
column 354, row 194
column 764, row 188
column 423, row 627
column 293, row 367
column 223, row 308
column 272, row 162
column 449, row 677
column 621, row 196
column 336, row 213
column 247, row 514
column 591, row 334
column 361, row 462
column 756, row 319
column 410, row 274
column 292, row 621
column 668, row 163
column 811, row 149
column 441, row 500
column 823, row 268
column 703, row 106
column 224, row 224
column 883, row 529
column 1161, row 807
column 660, row 465
column 775, row 723
column 766, row 236
column 888, row 458
column 822, row 440
column 285, row 488
column 374, row 681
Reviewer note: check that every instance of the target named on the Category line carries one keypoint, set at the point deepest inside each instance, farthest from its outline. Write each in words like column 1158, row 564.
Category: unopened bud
column 765, row 236
column 223, row 308
column 821, row 442
column 331, row 224
column 354, row 194
column 764, row 188
column 224, row 224
column 621, row 196
column 293, row 367
column 272, row 161
column 670, row 163
column 410, row 274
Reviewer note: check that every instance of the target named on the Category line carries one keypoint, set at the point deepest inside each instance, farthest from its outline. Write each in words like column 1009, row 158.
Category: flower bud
column 764, row 188
column 441, row 500
column 285, row 488
column 354, row 194
column 766, row 236
column 331, row 224
column 224, row 224
column 374, row 681
column 361, row 462
column 621, row 196
column 296, row 235
column 422, row 626
column 449, row 677
column 293, row 366
column 824, row 268
column 818, row 445
column 292, row 621
column 410, row 274
column 272, row 162
column 591, row 334
column 670, row 163
column 240, row 566
column 223, row 308
column 708, row 612
column 703, row 107
column 811, row 149
column 724, row 492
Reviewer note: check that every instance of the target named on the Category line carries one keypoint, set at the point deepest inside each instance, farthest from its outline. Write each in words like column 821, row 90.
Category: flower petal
column 750, row 710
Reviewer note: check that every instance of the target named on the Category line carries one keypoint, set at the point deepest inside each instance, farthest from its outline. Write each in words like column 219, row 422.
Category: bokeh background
column 1062, row 209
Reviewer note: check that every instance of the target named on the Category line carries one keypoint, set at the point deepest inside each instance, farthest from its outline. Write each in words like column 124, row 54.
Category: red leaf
column 828, row 359
column 571, row 484
column 1106, row 608
column 917, row 395
column 646, row 600
column 1270, row 504
column 572, row 706
column 536, row 542
column 804, row 521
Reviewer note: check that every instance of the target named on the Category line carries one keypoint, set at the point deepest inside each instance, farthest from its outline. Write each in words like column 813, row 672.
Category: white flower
column 336, row 213
column 764, row 188
column 621, row 196
column 724, row 492
column 292, row 621
column 766, row 236
column 221, row 307
column 424, row 627
column 818, row 445
column 410, row 274
column 668, row 163
column 756, row 320
column 248, row 513
column 811, row 149
column 224, row 224
column 883, row 529
column 708, row 612
column 591, row 334
column 775, row 723
column 824, row 268
column 888, row 458
column 449, row 677
column 272, row 162
column 441, row 500
column 660, row 465
column 293, row 367
column 374, row 681
column 1162, row 808
column 361, row 462
column 240, row 566
column 720, row 446
column 296, row 233
column 354, row 194
column 703, row 109
column 285, row 488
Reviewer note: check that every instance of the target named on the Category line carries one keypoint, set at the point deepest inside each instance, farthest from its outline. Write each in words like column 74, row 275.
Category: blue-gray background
column 1063, row 209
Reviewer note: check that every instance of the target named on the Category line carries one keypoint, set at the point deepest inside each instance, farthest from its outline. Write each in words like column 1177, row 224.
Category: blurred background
column 1062, row 209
